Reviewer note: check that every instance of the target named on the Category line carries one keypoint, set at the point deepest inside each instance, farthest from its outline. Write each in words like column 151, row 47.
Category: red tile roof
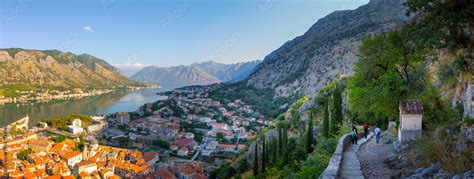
column 188, row 170
column 411, row 107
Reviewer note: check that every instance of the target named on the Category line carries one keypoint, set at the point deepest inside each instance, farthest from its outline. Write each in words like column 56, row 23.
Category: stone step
column 351, row 172
column 351, row 167
column 352, row 176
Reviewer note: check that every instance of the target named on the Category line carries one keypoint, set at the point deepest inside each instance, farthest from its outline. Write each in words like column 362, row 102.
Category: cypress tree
column 336, row 110
column 274, row 151
column 264, row 153
column 325, row 127
column 280, row 142
column 309, row 136
column 255, row 160
column 285, row 145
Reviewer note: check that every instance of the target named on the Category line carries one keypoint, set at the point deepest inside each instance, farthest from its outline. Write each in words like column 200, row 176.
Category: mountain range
column 328, row 49
column 196, row 73
column 56, row 69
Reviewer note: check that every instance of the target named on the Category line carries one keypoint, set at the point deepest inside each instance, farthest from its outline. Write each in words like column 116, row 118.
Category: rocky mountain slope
column 328, row 49
column 54, row 68
column 196, row 73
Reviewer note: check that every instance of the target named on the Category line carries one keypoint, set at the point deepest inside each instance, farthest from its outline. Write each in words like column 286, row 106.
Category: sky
column 136, row 33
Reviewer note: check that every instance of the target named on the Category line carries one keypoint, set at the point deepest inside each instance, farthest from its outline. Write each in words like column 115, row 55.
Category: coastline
column 37, row 97
column 45, row 97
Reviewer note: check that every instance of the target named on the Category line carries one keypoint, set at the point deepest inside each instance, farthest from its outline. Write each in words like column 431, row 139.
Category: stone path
column 350, row 167
column 371, row 157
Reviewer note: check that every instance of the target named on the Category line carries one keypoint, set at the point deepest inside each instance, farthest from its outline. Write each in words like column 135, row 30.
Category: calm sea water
column 120, row 101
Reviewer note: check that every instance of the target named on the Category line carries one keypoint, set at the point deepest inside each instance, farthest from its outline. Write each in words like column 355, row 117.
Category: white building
column 72, row 158
column 86, row 166
column 77, row 122
column 216, row 126
column 75, row 129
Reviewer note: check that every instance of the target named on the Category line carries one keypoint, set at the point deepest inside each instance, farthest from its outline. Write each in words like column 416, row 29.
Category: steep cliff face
column 196, row 73
column 305, row 64
column 57, row 69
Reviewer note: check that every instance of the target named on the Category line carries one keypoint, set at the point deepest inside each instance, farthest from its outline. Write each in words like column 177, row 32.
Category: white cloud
column 130, row 65
column 128, row 68
column 88, row 29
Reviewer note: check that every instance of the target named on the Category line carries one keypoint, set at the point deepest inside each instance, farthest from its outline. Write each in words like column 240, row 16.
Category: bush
column 326, row 145
column 314, row 166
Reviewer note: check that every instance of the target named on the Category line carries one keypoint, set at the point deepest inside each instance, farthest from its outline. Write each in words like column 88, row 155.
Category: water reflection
column 103, row 104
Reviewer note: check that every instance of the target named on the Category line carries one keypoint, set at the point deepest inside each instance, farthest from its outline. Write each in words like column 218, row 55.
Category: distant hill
column 196, row 73
column 56, row 69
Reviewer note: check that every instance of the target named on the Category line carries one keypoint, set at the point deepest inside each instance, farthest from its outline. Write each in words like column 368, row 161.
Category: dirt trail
column 372, row 156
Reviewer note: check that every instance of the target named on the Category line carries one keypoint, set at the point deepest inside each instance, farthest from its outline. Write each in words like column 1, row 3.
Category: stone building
column 411, row 114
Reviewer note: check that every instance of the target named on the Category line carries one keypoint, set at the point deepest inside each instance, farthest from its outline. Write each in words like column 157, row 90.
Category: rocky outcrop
column 467, row 101
column 196, row 73
column 305, row 64
column 435, row 171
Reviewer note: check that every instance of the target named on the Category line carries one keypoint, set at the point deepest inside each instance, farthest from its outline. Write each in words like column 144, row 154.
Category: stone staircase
column 350, row 165
column 344, row 162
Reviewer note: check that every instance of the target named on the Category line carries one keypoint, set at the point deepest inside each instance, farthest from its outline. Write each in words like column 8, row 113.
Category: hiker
column 377, row 135
column 366, row 130
column 354, row 134
column 354, row 137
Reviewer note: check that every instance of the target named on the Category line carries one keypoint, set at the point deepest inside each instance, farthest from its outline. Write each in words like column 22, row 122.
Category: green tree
column 220, row 136
column 198, row 136
column 442, row 23
column 264, row 152
column 309, row 136
column 388, row 70
column 280, row 139
column 23, row 154
column 242, row 166
column 255, row 160
column 285, row 148
column 161, row 143
column 325, row 127
column 336, row 109
column 58, row 138
column 274, row 151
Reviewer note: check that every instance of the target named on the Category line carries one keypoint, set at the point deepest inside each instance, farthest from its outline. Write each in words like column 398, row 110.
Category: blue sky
column 161, row 33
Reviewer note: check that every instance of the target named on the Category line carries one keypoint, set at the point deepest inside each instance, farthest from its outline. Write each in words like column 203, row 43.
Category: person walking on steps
column 354, row 134
column 354, row 137
column 366, row 130
column 377, row 135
